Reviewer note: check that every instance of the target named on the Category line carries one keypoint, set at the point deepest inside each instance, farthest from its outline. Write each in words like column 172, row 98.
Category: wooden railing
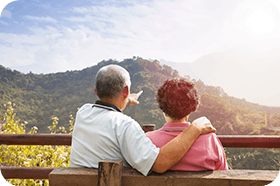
column 237, row 141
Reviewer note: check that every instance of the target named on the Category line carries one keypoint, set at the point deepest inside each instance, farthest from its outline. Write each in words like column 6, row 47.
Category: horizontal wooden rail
column 36, row 139
column 238, row 141
column 26, row 172
column 250, row 141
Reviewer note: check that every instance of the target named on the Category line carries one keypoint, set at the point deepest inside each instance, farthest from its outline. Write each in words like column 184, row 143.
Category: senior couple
column 102, row 131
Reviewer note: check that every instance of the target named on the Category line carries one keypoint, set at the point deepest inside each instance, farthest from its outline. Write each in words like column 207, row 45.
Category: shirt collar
column 175, row 126
column 106, row 105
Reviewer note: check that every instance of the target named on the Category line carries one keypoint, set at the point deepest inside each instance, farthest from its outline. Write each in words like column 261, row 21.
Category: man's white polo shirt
column 102, row 131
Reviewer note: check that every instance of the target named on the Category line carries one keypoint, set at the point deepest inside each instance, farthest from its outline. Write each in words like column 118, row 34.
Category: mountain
column 243, row 71
column 184, row 69
column 26, row 68
column 39, row 98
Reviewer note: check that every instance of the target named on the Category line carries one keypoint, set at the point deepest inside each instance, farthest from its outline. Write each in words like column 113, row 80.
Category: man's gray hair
column 111, row 80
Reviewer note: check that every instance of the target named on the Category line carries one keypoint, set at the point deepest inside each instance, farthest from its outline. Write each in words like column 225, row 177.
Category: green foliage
column 251, row 106
column 275, row 120
column 230, row 119
column 39, row 98
column 257, row 159
column 31, row 155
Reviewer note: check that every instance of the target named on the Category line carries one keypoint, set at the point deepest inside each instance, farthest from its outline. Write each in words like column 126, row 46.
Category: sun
column 260, row 19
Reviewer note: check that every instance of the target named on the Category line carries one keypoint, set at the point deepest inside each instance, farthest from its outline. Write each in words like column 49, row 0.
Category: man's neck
column 107, row 104
column 116, row 102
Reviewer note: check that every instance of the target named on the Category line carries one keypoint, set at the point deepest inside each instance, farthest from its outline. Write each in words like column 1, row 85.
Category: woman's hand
column 134, row 97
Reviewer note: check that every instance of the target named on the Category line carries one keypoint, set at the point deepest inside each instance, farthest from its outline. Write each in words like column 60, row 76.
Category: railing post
column 110, row 172
column 148, row 127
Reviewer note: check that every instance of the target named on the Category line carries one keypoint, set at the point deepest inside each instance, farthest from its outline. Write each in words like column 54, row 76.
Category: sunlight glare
column 261, row 20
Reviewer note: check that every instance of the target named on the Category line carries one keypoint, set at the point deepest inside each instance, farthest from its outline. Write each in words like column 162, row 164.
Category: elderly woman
column 177, row 98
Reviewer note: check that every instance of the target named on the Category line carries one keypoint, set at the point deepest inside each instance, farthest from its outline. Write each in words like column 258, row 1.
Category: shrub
column 31, row 155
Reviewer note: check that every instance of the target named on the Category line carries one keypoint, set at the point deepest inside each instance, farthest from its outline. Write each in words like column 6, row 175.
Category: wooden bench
column 111, row 172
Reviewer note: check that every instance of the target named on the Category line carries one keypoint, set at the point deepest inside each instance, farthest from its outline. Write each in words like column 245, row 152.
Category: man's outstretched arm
column 174, row 150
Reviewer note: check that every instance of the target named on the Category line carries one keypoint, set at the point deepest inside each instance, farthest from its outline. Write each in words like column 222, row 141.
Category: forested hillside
column 39, row 98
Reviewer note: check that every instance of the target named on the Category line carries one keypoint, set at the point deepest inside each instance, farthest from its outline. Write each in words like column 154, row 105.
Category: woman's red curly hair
column 177, row 97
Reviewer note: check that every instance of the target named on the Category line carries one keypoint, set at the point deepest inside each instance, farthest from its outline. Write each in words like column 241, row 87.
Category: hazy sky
column 61, row 35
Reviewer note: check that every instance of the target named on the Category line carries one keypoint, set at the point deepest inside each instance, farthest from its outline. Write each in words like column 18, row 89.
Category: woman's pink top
column 206, row 153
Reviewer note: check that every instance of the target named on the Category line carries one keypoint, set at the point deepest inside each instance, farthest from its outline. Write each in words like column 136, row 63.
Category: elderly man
column 102, row 131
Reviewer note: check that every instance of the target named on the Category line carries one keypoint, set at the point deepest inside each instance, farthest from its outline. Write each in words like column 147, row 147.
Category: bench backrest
column 112, row 173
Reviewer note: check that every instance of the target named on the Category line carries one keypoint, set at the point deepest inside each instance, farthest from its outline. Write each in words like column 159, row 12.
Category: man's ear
column 187, row 117
column 125, row 92
column 95, row 92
